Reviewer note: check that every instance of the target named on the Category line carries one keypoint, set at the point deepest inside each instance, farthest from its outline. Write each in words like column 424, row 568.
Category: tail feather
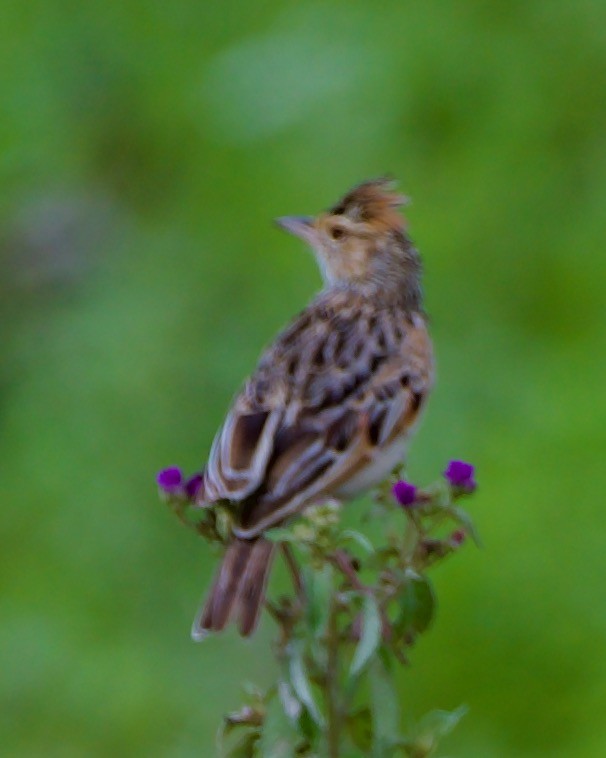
column 223, row 596
column 239, row 589
column 251, row 590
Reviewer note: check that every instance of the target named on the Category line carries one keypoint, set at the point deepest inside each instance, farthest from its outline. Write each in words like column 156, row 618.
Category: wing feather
column 341, row 383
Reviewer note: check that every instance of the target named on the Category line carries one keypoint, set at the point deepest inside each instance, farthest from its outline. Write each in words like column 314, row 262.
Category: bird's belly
column 376, row 471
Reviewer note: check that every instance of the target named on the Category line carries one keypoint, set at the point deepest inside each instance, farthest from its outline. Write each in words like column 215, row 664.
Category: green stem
column 333, row 709
column 411, row 537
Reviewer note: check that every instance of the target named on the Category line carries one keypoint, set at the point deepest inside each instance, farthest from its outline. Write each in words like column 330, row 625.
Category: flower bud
column 170, row 480
column 460, row 475
column 405, row 493
column 193, row 486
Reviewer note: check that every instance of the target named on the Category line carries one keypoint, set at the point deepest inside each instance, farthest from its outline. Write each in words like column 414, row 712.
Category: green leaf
column 244, row 748
column 431, row 729
column 350, row 535
column 384, row 706
column 463, row 518
column 318, row 590
column 310, row 731
column 359, row 726
column 290, row 703
column 300, row 682
column 371, row 635
column 280, row 736
column 417, row 604
column 440, row 723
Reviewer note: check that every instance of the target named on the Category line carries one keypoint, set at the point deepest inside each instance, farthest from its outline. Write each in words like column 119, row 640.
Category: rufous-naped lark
column 330, row 408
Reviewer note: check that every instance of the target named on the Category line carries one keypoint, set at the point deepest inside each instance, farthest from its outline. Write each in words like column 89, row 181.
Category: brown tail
column 238, row 591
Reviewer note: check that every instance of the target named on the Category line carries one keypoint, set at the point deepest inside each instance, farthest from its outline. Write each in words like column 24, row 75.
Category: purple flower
column 460, row 475
column 193, row 486
column 170, row 479
column 404, row 493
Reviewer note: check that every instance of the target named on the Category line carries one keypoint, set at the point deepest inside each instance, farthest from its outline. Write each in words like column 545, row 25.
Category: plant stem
column 411, row 537
column 293, row 568
column 332, row 684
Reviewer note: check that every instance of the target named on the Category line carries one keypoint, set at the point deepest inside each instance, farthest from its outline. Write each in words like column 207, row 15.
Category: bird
column 331, row 406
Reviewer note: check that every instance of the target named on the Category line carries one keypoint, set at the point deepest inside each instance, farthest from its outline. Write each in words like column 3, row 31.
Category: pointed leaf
column 463, row 518
column 440, row 723
column 431, row 729
column 371, row 635
column 301, row 684
column 279, row 736
column 244, row 748
column 350, row 535
column 384, row 706
column 318, row 589
column 417, row 605
column 290, row 703
column 359, row 726
column 310, row 731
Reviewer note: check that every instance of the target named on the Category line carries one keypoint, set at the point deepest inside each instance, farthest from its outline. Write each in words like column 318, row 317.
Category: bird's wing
column 343, row 381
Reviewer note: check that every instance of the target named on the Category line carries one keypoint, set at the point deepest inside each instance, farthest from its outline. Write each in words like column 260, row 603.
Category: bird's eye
column 337, row 232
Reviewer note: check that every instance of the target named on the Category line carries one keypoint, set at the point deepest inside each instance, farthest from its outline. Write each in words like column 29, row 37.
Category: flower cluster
column 173, row 484
column 458, row 474
column 358, row 604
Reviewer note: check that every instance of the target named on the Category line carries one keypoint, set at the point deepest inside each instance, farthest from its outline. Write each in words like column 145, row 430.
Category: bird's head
column 361, row 240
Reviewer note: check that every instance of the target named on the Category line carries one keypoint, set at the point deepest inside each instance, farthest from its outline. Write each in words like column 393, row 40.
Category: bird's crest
column 374, row 202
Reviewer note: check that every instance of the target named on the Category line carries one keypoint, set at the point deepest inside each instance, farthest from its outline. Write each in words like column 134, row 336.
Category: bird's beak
column 300, row 226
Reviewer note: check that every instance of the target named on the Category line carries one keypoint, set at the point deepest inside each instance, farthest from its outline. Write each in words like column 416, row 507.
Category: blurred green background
column 144, row 149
